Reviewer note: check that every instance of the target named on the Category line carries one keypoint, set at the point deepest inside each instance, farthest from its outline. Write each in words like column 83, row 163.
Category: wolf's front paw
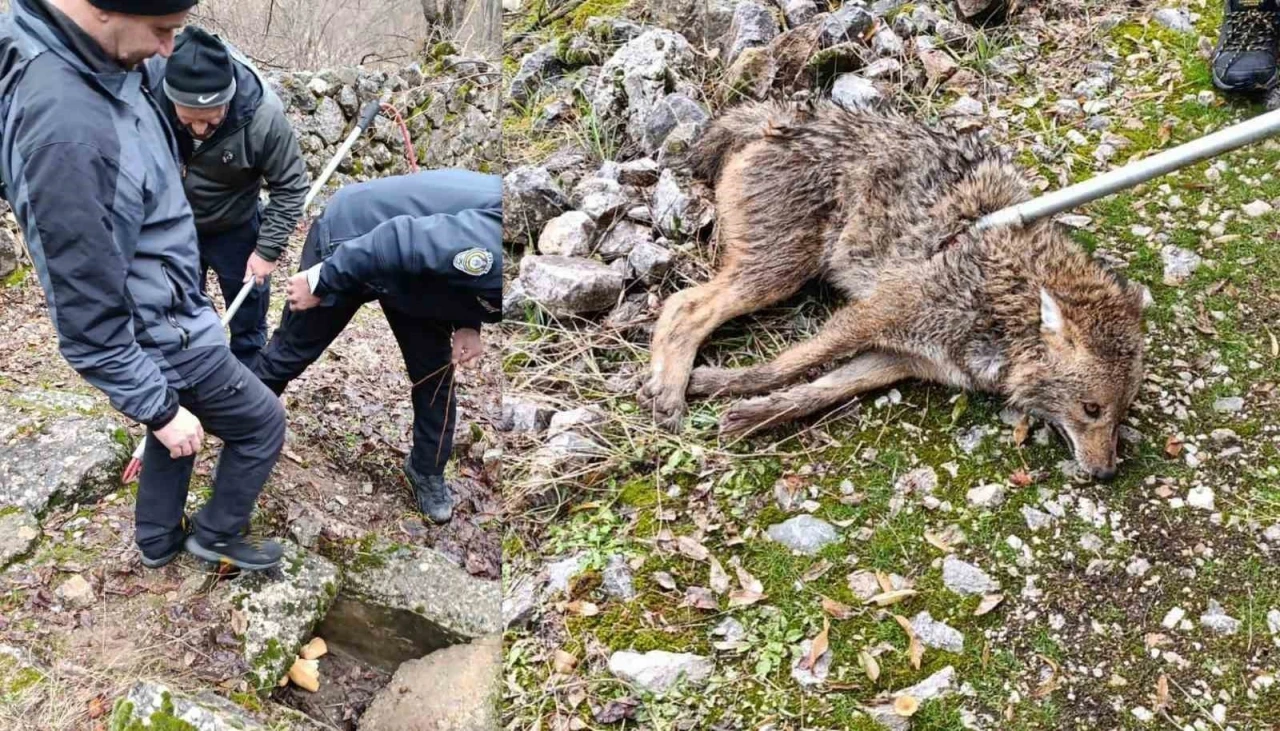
column 666, row 404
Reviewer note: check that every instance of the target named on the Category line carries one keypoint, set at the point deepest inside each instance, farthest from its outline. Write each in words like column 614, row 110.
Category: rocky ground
column 88, row 637
column 919, row 558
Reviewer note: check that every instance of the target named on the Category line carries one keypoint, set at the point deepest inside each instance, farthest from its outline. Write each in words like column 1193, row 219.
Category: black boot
column 435, row 499
column 239, row 551
column 1245, row 58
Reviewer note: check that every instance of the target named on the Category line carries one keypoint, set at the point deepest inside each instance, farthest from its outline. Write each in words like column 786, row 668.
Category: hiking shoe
column 434, row 497
column 1245, row 57
column 245, row 553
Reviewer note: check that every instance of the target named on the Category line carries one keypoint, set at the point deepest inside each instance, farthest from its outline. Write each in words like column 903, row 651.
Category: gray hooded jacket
column 91, row 170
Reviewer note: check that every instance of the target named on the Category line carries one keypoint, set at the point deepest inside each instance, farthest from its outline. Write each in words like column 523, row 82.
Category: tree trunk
column 479, row 33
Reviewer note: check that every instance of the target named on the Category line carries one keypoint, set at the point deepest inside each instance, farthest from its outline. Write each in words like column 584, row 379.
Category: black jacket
column 428, row 244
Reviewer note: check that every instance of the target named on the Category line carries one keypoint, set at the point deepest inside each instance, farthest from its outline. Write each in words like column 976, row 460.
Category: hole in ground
column 366, row 644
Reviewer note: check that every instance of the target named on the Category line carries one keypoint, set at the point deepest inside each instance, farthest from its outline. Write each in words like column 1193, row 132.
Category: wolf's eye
column 1092, row 410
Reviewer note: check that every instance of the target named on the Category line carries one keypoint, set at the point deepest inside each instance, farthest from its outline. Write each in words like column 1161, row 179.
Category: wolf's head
column 1088, row 370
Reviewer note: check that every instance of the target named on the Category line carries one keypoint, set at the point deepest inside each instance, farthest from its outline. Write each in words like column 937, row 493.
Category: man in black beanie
column 234, row 139
column 91, row 171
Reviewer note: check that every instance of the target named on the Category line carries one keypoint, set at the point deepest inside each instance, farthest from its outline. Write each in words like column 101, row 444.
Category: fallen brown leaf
column 989, row 602
column 938, row 542
column 1162, row 693
column 97, row 707
column 582, row 608
column 1173, row 446
column 719, row 577
column 819, row 646
column 886, row 585
column 1021, row 430
column 564, row 662
column 691, row 548
column 743, row 598
column 239, row 622
column 699, row 598
column 836, row 609
column 889, row 598
column 816, row 571
column 748, row 582
column 915, row 649
column 869, row 664
column 1021, row 478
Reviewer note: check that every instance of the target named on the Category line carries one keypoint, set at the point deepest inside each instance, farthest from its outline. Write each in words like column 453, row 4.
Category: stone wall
column 450, row 106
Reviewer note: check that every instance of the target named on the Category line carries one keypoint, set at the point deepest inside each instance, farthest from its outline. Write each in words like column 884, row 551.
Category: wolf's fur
column 879, row 206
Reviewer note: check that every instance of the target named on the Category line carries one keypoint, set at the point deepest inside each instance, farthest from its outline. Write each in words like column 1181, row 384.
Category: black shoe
column 435, row 499
column 241, row 552
column 1245, row 58
column 155, row 561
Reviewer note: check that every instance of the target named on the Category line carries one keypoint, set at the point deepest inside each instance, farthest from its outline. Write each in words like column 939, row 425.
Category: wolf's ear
column 1051, row 321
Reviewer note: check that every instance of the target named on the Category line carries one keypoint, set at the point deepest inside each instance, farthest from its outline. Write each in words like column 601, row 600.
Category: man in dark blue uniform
column 428, row 248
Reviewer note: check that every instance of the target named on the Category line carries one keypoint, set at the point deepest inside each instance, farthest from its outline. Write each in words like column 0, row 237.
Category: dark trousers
column 426, row 346
column 227, row 254
column 233, row 405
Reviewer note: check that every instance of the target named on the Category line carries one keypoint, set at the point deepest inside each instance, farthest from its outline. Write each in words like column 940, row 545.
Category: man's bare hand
column 466, row 346
column 183, row 436
column 299, row 293
column 260, row 269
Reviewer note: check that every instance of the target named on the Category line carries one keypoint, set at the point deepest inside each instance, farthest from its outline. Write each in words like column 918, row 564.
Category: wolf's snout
column 1104, row 473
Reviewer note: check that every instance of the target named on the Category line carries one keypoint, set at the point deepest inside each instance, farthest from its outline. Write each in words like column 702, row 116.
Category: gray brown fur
column 879, row 205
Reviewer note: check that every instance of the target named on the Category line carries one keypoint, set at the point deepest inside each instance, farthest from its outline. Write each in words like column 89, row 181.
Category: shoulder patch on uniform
column 475, row 262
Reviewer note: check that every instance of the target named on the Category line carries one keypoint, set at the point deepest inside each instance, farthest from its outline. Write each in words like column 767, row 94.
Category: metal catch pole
column 1189, row 153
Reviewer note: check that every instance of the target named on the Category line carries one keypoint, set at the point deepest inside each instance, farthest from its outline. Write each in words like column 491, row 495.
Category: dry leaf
column 748, row 582
column 836, row 609
column 1275, row 346
column 239, row 622
column 1173, row 446
column 819, row 646
column 284, row 680
column 816, row 571
column 582, row 608
column 870, row 665
column 691, row 548
column 1050, row 683
column 905, row 706
column 892, row 597
column 576, row 696
column 306, row 674
column 1162, row 693
column 886, row 585
column 1021, row 478
column 314, row 649
column 915, row 649
column 564, row 663
column 719, row 577
column 664, row 579
column 743, row 598
column 699, row 598
column 97, row 708
column 937, row 542
column 989, row 602
column 1021, row 430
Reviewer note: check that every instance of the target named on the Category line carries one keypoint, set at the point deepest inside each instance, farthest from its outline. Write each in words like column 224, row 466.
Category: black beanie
column 144, row 7
column 199, row 73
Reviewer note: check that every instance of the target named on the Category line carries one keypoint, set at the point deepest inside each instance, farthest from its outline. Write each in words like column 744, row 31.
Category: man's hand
column 260, row 269
column 183, row 435
column 466, row 346
column 298, row 293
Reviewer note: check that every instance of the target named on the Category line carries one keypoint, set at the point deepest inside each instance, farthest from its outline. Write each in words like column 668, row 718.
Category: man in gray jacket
column 234, row 139
column 91, row 171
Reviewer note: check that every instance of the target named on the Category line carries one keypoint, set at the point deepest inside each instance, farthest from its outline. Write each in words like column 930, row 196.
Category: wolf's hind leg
column 849, row 332
column 866, row 372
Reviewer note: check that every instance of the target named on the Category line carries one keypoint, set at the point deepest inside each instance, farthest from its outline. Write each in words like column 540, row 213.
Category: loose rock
column 804, row 533
column 569, row 286
column 659, row 671
column 965, row 578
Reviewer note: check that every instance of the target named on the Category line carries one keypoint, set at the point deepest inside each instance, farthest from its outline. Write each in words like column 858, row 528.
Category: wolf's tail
column 733, row 130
